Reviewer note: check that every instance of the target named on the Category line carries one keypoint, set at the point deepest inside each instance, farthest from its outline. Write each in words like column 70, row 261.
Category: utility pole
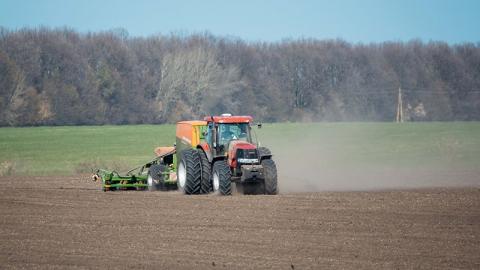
column 399, row 118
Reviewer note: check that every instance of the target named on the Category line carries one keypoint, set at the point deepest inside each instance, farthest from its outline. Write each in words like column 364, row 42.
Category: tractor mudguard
column 206, row 149
column 264, row 153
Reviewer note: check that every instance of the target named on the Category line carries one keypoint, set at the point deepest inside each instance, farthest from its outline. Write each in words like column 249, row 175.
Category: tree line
column 62, row 77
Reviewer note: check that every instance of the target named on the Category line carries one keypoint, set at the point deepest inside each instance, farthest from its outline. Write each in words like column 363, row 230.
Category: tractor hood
column 242, row 152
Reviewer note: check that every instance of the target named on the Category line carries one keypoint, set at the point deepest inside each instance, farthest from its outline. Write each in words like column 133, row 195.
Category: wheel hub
column 182, row 175
column 216, row 181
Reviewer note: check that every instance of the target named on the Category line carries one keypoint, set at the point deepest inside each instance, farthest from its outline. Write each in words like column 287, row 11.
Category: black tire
column 155, row 173
column 270, row 173
column 221, row 178
column 206, row 183
column 189, row 172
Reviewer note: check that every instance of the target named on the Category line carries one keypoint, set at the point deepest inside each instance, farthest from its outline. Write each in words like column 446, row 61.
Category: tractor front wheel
column 270, row 172
column 221, row 178
column 189, row 172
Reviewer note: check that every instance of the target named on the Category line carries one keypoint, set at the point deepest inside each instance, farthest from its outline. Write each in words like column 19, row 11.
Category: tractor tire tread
column 270, row 172
column 224, row 174
column 193, row 171
column 206, row 182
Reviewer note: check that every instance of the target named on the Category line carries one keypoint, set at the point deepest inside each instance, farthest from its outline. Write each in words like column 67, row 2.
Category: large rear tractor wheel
column 189, row 172
column 206, row 184
column 221, row 178
column 155, row 179
column 270, row 173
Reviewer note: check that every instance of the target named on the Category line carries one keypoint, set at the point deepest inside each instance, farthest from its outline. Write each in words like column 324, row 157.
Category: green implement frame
column 112, row 180
column 136, row 178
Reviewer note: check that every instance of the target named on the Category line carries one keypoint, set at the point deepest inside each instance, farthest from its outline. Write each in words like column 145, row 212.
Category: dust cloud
column 308, row 176
column 309, row 162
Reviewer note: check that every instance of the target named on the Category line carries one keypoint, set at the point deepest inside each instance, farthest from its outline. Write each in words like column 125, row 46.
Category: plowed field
column 68, row 222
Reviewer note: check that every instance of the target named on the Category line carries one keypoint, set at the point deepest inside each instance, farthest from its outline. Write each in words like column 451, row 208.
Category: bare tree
column 58, row 76
column 192, row 83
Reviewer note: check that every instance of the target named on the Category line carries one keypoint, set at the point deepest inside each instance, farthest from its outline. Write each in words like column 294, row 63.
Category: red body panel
column 234, row 145
column 205, row 146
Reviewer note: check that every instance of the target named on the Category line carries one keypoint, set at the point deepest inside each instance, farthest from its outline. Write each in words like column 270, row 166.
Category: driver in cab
column 227, row 134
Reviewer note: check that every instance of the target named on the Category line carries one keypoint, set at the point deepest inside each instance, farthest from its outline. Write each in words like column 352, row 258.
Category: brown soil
column 66, row 222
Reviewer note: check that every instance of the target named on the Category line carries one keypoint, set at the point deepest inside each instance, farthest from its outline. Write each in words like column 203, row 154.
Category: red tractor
column 214, row 154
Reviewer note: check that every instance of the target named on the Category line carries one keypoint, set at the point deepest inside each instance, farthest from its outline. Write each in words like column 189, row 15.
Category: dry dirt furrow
column 59, row 222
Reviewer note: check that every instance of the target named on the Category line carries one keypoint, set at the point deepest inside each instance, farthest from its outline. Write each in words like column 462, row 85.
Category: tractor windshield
column 235, row 131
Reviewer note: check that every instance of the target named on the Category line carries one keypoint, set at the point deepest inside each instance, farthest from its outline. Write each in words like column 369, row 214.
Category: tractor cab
column 225, row 129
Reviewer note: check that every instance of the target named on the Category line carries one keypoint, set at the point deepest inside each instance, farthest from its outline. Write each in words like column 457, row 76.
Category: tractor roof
column 229, row 119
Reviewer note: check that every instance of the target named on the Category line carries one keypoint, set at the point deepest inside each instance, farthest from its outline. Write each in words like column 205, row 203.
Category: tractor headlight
column 247, row 160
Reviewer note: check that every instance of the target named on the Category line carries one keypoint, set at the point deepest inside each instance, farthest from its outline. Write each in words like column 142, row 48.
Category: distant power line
column 365, row 92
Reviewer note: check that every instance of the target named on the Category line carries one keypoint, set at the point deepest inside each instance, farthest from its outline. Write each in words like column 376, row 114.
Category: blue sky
column 355, row 21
